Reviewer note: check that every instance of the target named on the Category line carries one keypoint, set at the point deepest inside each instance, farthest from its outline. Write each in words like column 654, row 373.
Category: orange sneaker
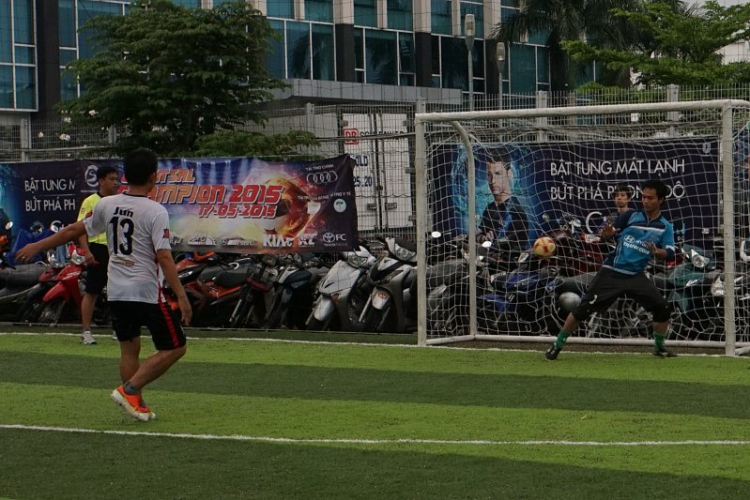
column 131, row 403
column 151, row 415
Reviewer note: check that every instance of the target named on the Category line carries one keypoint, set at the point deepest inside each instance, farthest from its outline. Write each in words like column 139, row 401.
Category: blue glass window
column 522, row 69
column 406, row 52
column 381, row 57
column 280, row 8
column 542, row 64
column 25, row 87
column 441, row 17
column 67, row 23
column 400, row 15
column 193, row 4
column 478, row 11
column 86, row 10
column 25, row 55
column 365, row 13
column 322, row 54
column 6, row 40
column 275, row 56
column 68, row 89
column 6, row 86
column 298, row 50
column 23, row 18
column 319, row 10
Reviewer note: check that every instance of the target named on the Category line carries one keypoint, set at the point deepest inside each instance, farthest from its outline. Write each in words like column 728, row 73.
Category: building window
column 384, row 57
column 309, row 51
column 441, row 17
column 319, row 10
column 400, row 15
column 450, row 60
column 366, row 13
column 281, row 8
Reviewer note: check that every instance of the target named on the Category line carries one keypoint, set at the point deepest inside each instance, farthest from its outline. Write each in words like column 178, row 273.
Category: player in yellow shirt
column 95, row 250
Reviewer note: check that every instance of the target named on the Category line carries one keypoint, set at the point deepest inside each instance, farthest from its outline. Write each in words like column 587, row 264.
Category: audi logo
column 318, row 178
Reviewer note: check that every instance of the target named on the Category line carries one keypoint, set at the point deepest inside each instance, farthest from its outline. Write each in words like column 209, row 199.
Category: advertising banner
column 528, row 189
column 240, row 205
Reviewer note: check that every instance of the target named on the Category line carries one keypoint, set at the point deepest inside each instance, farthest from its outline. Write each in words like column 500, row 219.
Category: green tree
column 563, row 20
column 166, row 75
column 677, row 46
column 278, row 147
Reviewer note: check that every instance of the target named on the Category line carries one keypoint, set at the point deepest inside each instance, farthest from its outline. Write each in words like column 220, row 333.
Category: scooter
column 391, row 306
column 343, row 292
column 256, row 294
column 293, row 297
column 63, row 300
column 521, row 301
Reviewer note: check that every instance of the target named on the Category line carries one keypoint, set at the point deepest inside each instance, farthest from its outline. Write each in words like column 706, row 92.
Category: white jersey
column 136, row 228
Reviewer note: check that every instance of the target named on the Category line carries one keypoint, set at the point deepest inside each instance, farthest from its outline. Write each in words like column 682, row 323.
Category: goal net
column 510, row 205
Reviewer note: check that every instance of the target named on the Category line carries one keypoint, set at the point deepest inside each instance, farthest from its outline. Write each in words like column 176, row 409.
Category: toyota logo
column 318, row 178
column 329, row 238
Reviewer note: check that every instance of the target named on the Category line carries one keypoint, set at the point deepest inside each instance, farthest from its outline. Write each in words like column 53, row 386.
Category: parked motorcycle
column 343, row 292
column 521, row 301
column 391, row 306
column 215, row 291
column 256, row 294
column 63, row 299
column 293, row 298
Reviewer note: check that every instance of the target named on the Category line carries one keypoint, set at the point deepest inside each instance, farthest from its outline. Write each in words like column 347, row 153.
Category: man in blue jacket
column 641, row 235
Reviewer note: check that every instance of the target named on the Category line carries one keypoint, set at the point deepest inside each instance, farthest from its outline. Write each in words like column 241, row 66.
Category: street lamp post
column 470, row 32
column 500, row 65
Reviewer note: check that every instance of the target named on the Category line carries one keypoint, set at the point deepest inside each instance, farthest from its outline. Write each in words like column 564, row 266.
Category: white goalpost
column 491, row 184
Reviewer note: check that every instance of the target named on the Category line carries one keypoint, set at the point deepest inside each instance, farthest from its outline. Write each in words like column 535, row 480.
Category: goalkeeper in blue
column 640, row 235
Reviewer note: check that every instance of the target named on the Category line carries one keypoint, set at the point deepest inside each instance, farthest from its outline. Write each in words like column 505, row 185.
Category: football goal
column 510, row 204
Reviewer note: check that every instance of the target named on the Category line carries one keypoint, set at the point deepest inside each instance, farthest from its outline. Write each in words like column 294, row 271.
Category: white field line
column 366, row 344
column 266, row 439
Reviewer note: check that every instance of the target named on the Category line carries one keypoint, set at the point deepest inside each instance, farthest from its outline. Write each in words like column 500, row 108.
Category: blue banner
column 524, row 190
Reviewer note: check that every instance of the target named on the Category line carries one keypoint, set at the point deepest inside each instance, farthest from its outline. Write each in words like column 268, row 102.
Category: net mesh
column 543, row 187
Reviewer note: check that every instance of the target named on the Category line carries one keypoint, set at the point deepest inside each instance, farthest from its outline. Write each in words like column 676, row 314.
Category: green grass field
column 278, row 420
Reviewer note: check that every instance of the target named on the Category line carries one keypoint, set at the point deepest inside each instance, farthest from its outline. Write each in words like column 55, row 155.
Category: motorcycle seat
column 24, row 275
column 231, row 279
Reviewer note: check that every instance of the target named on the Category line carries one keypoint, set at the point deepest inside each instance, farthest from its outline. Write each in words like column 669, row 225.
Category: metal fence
column 380, row 137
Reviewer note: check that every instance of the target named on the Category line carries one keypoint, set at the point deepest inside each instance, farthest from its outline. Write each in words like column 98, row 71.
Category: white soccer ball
column 544, row 247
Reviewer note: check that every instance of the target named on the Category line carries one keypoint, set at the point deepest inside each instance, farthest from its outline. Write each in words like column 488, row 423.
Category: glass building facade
column 386, row 42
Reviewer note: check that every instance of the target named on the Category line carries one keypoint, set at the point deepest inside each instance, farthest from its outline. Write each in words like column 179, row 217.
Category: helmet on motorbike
column 569, row 300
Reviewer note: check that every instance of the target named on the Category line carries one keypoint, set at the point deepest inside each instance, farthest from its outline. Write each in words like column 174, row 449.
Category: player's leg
column 126, row 324
column 169, row 340
column 651, row 299
column 96, row 280
column 602, row 293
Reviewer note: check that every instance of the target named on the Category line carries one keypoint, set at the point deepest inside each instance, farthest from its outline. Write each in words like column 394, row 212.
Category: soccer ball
column 544, row 247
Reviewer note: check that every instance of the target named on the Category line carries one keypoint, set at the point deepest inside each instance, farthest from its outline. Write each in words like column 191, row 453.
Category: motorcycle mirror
column 743, row 253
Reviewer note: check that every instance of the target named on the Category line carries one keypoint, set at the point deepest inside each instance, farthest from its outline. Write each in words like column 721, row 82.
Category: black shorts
column 609, row 285
column 161, row 321
column 96, row 274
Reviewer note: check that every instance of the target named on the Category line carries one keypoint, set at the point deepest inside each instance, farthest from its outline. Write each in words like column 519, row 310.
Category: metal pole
column 470, row 32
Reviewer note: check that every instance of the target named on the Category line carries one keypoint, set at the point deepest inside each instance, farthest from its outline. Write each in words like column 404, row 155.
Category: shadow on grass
column 47, row 465
column 500, row 391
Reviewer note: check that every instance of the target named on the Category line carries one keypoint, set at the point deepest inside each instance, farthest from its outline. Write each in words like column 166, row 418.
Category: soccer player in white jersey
column 138, row 240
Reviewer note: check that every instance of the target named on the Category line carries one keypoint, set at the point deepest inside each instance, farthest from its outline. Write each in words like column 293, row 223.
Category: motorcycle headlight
column 698, row 261
column 269, row 260
column 404, row 254
column 355, row 260
column 717, row 288
column 77, row 258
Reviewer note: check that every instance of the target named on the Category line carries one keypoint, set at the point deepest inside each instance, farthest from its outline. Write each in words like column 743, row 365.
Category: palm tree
column 565, row 20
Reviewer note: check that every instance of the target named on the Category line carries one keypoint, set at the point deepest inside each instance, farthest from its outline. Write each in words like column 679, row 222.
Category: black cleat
column 662, row 352
column 552, row 352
